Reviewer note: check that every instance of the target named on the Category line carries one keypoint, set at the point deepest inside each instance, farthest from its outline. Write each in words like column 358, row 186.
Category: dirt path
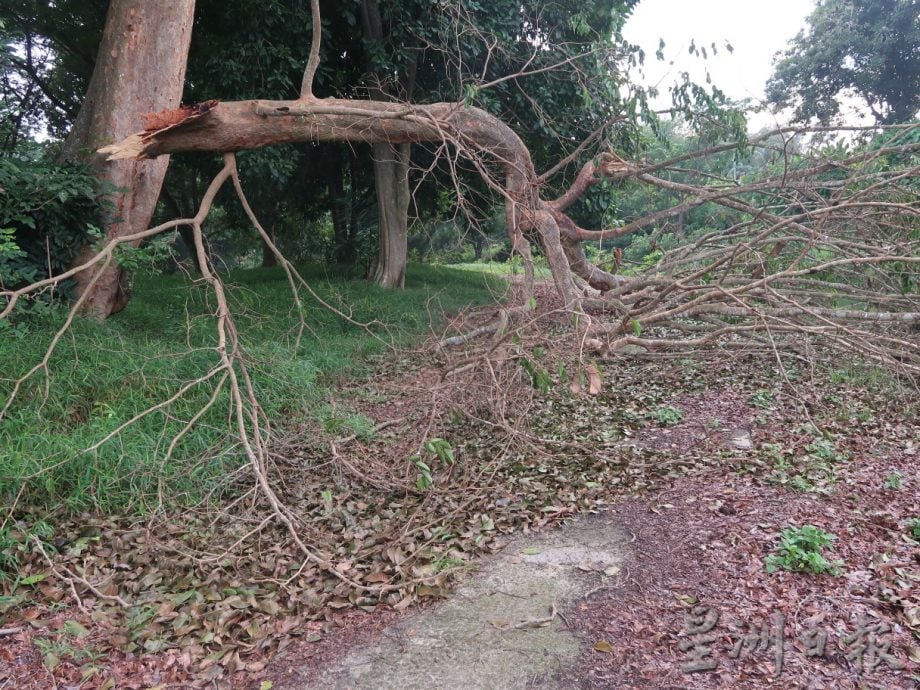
column 630, row 587
column 669, row 589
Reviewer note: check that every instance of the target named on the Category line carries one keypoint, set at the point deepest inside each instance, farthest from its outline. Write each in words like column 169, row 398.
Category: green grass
column 503, row 269
column 100, row 376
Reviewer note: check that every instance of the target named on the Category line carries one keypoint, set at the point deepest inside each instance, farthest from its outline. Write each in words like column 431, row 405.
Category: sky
column 755, row 29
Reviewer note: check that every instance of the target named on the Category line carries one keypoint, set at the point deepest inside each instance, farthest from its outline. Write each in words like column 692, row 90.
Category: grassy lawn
column 502, row 269
column 102, row 376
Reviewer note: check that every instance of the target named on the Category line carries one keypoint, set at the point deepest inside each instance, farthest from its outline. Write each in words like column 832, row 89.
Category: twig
column 71, row 578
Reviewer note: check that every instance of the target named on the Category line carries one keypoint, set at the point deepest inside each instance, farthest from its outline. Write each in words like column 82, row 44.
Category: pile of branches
column 821, row 248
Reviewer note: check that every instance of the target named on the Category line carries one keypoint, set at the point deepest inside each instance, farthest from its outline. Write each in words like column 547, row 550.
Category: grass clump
column 801, row 550
column 103, row 375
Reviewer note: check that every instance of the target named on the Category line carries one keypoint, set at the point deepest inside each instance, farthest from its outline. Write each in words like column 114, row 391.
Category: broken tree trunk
column 476, row 134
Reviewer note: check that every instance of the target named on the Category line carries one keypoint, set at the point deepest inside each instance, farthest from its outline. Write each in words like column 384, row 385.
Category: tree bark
column 140, row 68
column 391, row 179
column 391, row 171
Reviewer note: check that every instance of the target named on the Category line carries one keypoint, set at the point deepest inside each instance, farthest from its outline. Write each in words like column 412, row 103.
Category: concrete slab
column 491, row 633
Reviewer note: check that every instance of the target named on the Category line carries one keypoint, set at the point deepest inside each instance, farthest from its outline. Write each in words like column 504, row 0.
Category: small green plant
column 424, row 480
column 539, row 377
column 447, row 563
column 801, row 550
column 762, row 399
column 800, row 483
column 440, row 451
column 914, row 528
column 636, row 327
column 668, row 415
column 893, row 481
column 824, row 450
column 442, row 534
column 839, row 376
column 864, row 415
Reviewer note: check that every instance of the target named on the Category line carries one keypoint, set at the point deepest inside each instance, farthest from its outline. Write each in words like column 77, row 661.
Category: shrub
column 47, row 212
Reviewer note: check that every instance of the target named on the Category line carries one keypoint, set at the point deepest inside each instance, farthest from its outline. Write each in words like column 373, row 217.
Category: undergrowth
column 103, row 375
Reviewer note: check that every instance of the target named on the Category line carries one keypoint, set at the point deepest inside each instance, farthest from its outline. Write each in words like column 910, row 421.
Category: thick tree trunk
column 391, row 176
column 391, row 167
column 140, row 69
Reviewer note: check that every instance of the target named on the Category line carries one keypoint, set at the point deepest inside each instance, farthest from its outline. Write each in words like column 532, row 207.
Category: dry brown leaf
column 403, row 604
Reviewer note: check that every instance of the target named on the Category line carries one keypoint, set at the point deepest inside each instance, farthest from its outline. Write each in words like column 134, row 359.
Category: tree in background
column 47, row 59
column 870, row 48
column 551, row 70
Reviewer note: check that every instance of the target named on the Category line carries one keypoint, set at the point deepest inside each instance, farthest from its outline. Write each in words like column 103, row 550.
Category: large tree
column 140, row 68
column 546, row 69
column 870, row 48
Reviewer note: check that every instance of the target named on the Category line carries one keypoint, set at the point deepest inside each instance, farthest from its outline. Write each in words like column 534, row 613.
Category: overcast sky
column 756, row 31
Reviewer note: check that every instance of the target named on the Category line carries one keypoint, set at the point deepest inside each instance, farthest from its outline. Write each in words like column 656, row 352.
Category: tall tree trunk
column 391, row 168
column 391, row 177
column 140, row 68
